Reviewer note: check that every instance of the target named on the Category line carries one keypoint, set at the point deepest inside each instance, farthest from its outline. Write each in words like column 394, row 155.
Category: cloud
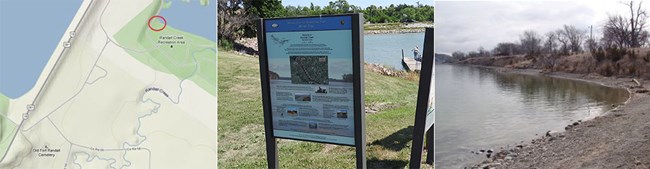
column 467, row 25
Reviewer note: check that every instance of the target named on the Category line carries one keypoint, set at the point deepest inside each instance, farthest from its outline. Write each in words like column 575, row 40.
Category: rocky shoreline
column 393, row 31
column 618, row 139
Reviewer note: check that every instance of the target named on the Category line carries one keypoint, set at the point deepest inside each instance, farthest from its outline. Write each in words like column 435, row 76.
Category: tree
column 530, row 42
column 505, row 49
column 591, row 45
column 550, row 43
column 637, row 25
column 482, row 52
column 575, row 37
column 564, row 42
column 622, row 32
column 232, row 18
column 615, row 32
column 261, row 9
column 458, row 55
column 473, row 54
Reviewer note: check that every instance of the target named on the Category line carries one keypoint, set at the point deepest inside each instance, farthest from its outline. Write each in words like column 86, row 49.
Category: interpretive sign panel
column 311, row 72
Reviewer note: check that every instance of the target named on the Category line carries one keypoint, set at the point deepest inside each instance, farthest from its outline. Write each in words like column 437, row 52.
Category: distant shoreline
column 393, row 31
column 571, row 148
column 396, row 28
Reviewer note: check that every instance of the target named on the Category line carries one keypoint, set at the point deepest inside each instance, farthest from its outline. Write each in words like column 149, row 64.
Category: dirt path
column 618, row 139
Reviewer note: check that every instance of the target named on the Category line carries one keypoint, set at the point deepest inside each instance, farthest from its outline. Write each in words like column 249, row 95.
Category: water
column 193, row 18
column 479, row 108
column 386, row 49
column 30, row 32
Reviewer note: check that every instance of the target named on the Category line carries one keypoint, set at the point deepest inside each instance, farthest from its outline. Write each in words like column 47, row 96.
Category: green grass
column 176, row 60
column 241, row 123
column 4, row 104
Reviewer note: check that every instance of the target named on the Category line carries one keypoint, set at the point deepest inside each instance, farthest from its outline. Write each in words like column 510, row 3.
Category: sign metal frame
column 358, row 90
column 424, row 89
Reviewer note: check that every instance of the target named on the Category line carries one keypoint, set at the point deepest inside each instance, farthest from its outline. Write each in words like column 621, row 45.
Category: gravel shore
column 618, row 139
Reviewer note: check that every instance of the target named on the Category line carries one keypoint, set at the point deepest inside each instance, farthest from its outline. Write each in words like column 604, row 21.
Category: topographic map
column 128, row 84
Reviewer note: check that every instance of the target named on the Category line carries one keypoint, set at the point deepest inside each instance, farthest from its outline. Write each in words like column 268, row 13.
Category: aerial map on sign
column 108, row 84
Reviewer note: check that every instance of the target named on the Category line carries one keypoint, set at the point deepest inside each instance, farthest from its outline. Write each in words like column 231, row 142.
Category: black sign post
column 424, row 112
column 311, row 69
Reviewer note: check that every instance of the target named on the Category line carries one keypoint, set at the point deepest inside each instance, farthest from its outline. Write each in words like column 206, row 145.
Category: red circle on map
column 157, row 16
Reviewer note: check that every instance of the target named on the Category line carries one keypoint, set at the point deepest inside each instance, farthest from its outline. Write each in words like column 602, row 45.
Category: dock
column 410, row 64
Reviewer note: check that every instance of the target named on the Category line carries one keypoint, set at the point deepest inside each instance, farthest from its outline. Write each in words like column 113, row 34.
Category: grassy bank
column 633, row 63
column 241, row 129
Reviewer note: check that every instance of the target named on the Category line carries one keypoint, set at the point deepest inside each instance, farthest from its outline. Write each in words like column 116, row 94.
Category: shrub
column 615, row 53
column 598, row 54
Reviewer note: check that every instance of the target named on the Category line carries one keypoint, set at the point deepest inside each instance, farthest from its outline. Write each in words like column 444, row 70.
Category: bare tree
column 623, row 32
column 615, row 32
column 637, row 24
column 505, row 49
column 472, row 54
column 564, row 41
column 482, row 52
column 458, row 55
column 531, row 42
column 575, row 37
column 550, row 43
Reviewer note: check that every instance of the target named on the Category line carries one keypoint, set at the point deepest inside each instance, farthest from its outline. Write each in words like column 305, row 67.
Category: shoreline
column 393, row 31
column 248, row 46
column 574, row 147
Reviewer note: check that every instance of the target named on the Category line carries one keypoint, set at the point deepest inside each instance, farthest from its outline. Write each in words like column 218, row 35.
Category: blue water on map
column 30, row 31
column 192, row 17
column 386, row 49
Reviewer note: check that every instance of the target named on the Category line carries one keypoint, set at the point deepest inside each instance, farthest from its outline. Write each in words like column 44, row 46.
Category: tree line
column 236, row 17
column 619, row 34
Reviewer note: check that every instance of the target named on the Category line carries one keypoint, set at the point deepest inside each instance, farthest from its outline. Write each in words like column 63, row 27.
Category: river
column 30, row 32
column 386, row 49
column 478, row 108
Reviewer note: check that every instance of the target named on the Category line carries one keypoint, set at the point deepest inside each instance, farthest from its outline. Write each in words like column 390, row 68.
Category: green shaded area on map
column 7, row 127
column 194, row 60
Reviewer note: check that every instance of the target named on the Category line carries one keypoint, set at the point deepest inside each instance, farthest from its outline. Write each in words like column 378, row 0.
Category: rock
column 576, row 123
column 643, row 91
column 548, row 133
column 520, row 146
column 489, row 165
column 490, row 151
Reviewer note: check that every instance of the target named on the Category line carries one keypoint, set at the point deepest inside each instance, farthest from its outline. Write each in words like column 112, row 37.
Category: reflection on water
column 480, row 108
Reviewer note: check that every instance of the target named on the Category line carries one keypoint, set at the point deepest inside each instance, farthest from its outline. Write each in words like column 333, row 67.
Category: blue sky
column 361, row 3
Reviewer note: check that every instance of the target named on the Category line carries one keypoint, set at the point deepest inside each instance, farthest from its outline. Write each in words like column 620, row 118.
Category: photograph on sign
column 311, row 78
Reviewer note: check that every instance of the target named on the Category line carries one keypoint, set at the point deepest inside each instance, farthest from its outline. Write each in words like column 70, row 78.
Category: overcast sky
column 467, row 25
